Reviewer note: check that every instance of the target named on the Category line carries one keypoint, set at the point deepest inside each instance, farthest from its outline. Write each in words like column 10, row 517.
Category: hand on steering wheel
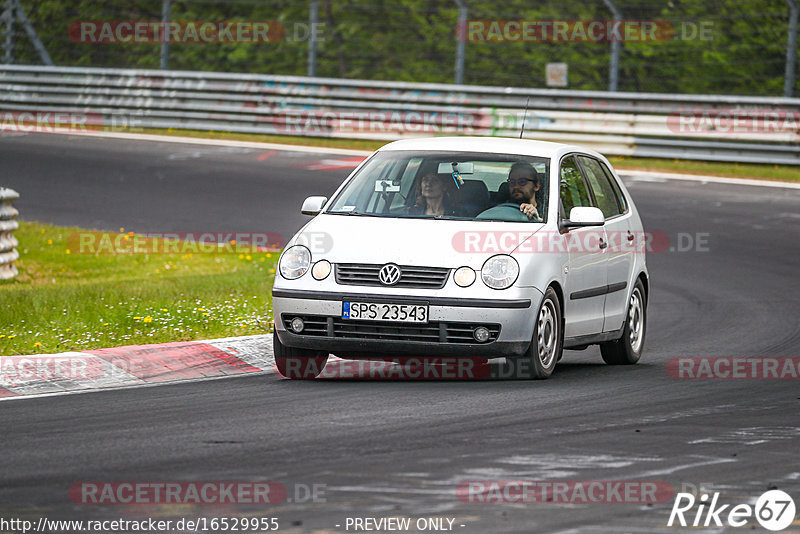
column 529, row 210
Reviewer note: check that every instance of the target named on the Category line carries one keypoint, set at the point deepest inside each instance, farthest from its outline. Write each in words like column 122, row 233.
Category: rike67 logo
column 774, row 510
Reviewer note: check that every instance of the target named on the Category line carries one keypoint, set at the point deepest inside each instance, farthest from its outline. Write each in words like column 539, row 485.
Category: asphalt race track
column 400, row 448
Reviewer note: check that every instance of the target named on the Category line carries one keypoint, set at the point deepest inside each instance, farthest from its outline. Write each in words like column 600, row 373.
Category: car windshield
column 448, row 185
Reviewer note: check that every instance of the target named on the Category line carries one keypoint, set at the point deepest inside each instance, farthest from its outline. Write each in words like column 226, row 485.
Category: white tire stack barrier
column 8, row 243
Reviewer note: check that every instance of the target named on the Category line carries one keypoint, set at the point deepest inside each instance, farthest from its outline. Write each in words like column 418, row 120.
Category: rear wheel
column 546, row 347
column 298, row 364
column 628, row 349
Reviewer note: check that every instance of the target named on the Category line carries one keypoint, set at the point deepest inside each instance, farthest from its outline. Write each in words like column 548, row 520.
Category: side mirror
column 313, row 205
column 583, row 216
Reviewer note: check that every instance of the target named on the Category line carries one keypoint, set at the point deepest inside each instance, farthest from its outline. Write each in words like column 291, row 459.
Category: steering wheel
column 507, row 211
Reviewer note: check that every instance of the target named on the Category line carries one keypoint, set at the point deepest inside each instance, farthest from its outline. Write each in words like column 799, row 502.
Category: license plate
column 373, row 311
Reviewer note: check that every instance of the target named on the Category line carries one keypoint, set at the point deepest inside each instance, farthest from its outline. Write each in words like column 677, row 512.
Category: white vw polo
column 465, row 247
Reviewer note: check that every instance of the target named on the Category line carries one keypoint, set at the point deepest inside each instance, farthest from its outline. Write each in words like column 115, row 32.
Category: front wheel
column 628, row 349
column 547, row 344
column 297, row 364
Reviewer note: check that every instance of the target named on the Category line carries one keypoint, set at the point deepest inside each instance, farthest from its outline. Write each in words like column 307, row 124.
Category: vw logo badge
column 389, row 274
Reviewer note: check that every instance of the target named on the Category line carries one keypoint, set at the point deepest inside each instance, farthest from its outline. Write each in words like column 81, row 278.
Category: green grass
column 784, row 173
column 65, row 300
column 787, row 173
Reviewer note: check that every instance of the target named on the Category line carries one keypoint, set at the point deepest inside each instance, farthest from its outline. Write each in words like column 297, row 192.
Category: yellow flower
column 68, row 251
column 147, row 319
column 232, row 241
column 105, row 324
column 262, row 259
column 272, row 271
column 164, row 309
column 37, row 345
column 49, row 241
column 130, row 234
column 136, row 318
column 248, row 257
column 12, row 336
column 241, row 256
column 2, row 336
column 206, row 313
column 269, row 255
column 68, row 330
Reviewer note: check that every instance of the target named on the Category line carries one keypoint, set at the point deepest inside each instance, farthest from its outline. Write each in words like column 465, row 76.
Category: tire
column 628, row 349
column 547, row 344
column 298, row 364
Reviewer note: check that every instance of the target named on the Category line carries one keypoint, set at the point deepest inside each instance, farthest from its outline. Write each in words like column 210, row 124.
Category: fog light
column 481, row 334
column 297, row 325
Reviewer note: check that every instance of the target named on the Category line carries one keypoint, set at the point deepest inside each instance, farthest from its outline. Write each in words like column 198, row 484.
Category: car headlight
column 500, row 271
column 295, row 262
column 464, row 276
column 321, row 270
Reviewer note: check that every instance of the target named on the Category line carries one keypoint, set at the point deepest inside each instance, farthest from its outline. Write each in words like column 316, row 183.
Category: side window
column 573, row 188
column 600, row 186
column 623, row 204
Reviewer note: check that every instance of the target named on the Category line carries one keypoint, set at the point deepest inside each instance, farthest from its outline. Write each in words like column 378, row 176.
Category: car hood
column 425, row 242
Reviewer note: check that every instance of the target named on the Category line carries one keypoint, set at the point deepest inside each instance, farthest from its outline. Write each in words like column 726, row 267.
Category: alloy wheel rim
column 547, row 334
column 636, row 321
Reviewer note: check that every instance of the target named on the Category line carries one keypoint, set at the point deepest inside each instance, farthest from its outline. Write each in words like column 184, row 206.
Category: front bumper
column 510, row 320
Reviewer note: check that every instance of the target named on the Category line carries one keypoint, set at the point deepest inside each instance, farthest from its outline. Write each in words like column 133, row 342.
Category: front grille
column 433, row 332
column 364, row 274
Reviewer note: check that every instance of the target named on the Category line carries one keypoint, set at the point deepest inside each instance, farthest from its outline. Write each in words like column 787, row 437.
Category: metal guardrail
column 8, row 243
column 702, row 127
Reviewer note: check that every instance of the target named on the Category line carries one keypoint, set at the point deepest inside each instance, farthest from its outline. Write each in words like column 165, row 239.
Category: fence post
column 791, row 49
column 166, row 8
column 32, row 35
column 8, row 243
column 313, row 22
column 8, row 17
column 613, row 66
column 461, row 40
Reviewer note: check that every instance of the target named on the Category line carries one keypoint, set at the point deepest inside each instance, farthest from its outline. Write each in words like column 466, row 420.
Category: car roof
column 496, row 145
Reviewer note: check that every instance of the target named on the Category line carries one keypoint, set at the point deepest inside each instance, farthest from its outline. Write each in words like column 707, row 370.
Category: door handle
column 603, row 244
column 630, row 236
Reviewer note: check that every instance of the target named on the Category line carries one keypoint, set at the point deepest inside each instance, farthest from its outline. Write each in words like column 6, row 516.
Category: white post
column 8, row 243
